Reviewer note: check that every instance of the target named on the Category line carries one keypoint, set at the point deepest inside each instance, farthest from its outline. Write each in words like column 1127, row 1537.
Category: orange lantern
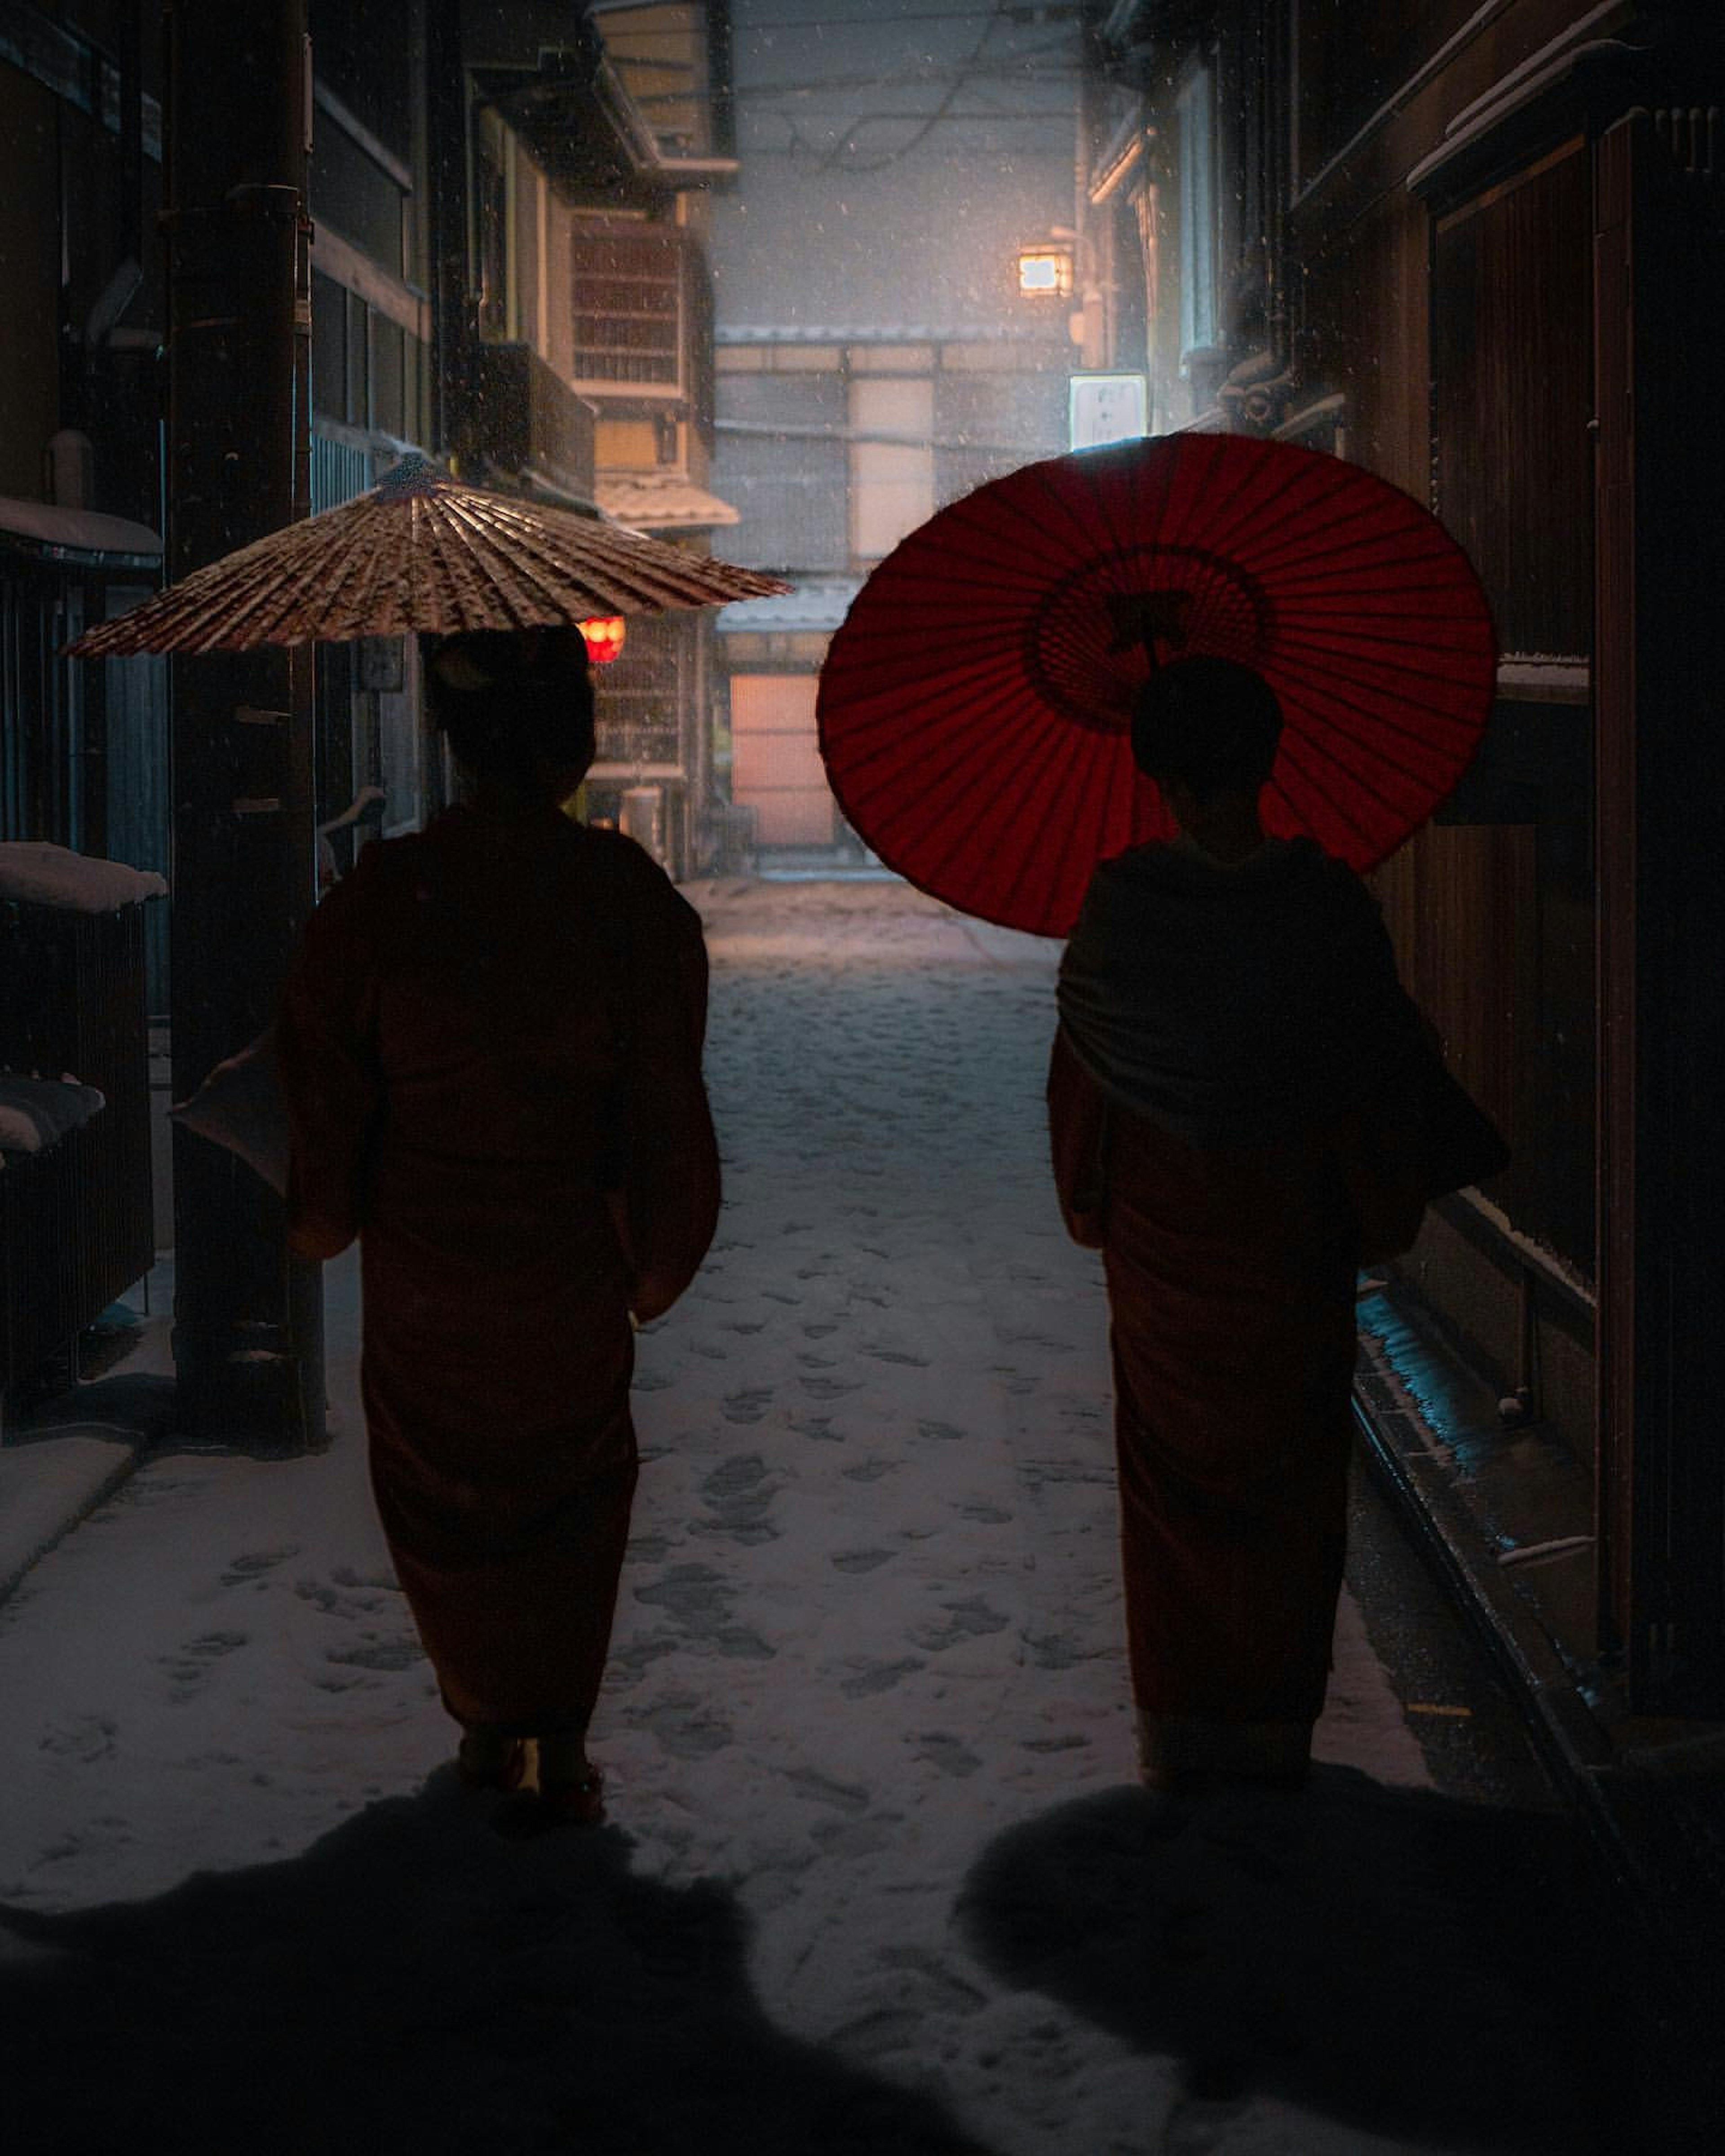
column 604, row 637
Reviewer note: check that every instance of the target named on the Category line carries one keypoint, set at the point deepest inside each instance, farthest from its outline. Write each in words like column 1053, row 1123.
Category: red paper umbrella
column 975, row 705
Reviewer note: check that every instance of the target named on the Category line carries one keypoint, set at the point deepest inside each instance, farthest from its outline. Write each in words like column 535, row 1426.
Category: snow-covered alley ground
column 876, row 1879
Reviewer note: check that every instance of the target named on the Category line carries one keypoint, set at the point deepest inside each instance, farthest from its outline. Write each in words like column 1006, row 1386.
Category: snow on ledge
column 38, row 874
column 36, row 1113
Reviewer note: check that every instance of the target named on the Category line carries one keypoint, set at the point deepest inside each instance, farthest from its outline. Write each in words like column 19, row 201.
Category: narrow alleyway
column 876, row 1879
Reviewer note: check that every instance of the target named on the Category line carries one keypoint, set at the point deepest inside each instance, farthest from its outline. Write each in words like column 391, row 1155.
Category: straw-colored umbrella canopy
column 421, row 553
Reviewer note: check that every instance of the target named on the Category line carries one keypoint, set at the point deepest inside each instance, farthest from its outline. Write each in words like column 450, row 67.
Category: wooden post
column 248, row 1319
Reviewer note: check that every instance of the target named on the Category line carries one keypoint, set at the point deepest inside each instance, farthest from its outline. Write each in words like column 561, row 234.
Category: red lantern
column 604, row 637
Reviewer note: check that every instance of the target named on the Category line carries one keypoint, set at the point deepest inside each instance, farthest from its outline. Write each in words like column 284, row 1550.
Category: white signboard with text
column 1107, row 407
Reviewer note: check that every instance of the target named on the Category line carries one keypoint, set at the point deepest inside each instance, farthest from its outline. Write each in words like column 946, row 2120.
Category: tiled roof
column 873, row 333
column 816, row 604
column 660, row 502
column 76, row 536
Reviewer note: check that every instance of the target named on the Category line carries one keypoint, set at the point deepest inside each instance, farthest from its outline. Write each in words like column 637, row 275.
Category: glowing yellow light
column 1045, row 273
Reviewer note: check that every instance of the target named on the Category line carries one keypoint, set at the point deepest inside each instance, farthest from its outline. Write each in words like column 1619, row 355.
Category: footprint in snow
column 191, row 1667
column 854, row 1838
column 946, row 1752
column 951, row 1993
column 337, row 1602
column 630, row 1661
column 878, row 2034
column 739, row 1493
column 970, row 1620
column 876, row 1677
column 255, row 1563
column 821, row 1789
column 391, row 1655
column 86, row 1739
column 858, row 1560
column 740, row 1643
column 697, row 1597
column 1056, row 1650
column 687, row 1729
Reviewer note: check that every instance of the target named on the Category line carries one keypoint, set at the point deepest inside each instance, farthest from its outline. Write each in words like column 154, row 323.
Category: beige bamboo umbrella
column 420, row 552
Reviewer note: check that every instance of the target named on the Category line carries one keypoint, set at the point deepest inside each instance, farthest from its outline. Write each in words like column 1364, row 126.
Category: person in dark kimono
column 490, row 1047
column 1229, row 1009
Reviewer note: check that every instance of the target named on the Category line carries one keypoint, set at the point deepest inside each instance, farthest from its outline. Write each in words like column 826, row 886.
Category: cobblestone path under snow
column 876, row 1879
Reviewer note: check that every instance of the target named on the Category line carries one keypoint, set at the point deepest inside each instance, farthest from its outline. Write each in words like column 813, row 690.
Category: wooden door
column 775, row 759
column 1661, row 716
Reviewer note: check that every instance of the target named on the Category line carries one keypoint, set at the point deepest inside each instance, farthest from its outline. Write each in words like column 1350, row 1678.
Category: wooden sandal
column 478, row 1768
column 577, row 1803
column 552, row 1805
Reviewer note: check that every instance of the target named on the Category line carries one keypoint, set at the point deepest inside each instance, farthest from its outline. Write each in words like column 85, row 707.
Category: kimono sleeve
column 329, row 1077
column 1415, row 1134
column 672, row 1178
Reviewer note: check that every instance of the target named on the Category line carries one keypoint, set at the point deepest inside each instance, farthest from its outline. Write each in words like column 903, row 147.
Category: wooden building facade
column 1481, row 249
column 491, row 205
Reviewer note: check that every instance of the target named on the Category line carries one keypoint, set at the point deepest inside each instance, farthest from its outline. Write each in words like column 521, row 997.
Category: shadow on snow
column 415, row 1982
column 1395, row 1961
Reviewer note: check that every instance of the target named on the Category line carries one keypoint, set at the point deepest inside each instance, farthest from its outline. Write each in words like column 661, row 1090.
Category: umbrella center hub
column 1093, row 640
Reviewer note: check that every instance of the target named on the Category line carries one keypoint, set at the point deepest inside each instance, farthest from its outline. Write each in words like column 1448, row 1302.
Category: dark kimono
column 1221, row 1028
column 491, row 1046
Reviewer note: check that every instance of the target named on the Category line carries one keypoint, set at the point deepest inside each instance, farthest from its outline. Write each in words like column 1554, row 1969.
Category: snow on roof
column 36, row 1113
column 818, row 603
column 660, row 502
column 38, row 874
column 76, row 534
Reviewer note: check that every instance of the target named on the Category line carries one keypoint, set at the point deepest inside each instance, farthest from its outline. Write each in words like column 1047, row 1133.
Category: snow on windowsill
column 36, row 1113
column 35, row 873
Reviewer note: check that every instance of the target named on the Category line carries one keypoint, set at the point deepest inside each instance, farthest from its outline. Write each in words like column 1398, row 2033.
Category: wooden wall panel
column 1513, row 391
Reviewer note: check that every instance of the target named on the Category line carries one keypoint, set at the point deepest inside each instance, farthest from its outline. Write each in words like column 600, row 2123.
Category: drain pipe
column 1516, row 1408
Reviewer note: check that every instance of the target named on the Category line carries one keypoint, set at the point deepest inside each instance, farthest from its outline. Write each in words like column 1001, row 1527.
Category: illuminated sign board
column 1107, row 407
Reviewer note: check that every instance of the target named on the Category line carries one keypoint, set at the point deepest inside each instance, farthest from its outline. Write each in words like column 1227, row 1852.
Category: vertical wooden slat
column 1505, row 905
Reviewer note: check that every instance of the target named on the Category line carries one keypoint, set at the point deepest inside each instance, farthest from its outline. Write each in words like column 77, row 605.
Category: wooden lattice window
column 628, row 307
column 639, row 701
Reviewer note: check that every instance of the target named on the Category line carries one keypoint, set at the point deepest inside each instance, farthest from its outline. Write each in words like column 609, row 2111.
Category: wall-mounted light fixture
column 1045, row 272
